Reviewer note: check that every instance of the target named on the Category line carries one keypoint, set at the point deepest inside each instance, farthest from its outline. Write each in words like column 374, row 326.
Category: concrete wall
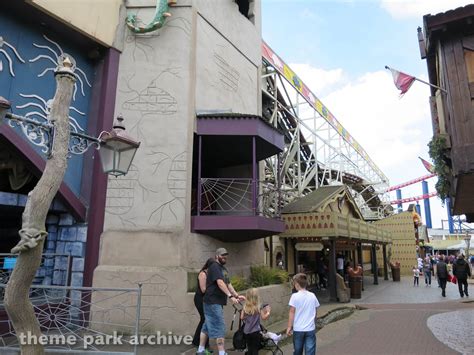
column 206, row 57
column 159, row 318
column 97, row 19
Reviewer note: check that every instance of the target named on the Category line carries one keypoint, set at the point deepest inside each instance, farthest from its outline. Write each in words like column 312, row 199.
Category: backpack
column 239, row 341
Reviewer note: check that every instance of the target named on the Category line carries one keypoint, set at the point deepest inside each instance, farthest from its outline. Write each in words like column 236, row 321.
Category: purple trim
column 73, row 204
column 254, row 175
column 278, row 181
column 237, row 228
column 199, row 176
column 240, row 127
column 108, row 89
column 237, row 223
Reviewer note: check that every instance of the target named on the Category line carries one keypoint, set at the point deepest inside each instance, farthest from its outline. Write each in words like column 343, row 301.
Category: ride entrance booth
column 325, row 226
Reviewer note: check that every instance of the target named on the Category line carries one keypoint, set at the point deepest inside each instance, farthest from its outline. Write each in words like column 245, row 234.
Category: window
column 246, row 8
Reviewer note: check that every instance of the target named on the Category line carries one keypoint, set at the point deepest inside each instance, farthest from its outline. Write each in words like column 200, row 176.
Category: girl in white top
column 416, row 276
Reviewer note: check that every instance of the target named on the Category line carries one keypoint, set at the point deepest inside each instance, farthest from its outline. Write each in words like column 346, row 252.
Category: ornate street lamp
column 116, row 148
column 54, row 138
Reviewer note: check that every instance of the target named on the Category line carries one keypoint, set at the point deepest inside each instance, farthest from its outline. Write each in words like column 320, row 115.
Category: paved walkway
column 402, row 319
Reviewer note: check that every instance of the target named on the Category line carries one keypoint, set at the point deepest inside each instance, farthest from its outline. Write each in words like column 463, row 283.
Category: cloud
column 403, row 9
column 393, row 131
column 318, row 80
column 390, row 129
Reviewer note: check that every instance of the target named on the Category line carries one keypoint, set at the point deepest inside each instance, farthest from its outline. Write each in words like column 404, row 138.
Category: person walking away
column 416, row 276
column 427, row 268
column 442, row 274
column 218, row 290
column 420, row 264
column 435, row 263
column 198, row 300
column 302, row 317
column 461, row 270
column 251, row 315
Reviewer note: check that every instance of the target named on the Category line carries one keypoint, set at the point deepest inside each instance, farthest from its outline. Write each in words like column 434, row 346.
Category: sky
column 339, row 49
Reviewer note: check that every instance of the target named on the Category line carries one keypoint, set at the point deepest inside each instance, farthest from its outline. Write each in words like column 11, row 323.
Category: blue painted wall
column 19, row 80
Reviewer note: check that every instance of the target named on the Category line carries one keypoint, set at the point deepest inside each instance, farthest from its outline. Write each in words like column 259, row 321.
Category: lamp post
column 116, row 148
column 467, row 240
column 58, row 143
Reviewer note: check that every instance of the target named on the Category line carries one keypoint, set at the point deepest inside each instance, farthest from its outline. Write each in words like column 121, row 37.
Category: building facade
column 190, row 91
column 448, row 46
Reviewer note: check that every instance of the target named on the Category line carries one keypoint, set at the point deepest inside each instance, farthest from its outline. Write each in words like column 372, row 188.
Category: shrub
column 239, row 282
column 263, row 276
column 439, row 152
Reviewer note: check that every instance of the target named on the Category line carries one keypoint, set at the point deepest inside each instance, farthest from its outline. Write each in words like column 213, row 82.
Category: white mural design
column 5, row 44
column 56, row 53
column 42, row 109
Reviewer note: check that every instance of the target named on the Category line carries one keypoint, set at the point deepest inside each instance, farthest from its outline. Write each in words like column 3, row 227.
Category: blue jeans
column 214, row 325
column 306, row 340
column 427, row 277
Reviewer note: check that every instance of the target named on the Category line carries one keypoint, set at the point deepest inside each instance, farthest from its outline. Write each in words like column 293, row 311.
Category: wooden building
column 404, row 240
column 325, row 222
column 448, row 46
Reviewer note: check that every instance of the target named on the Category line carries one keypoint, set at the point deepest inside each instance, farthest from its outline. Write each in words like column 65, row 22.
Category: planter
column 396, row 274
column 355, row 283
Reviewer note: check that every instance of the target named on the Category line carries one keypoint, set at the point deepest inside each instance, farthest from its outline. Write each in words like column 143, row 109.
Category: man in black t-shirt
column 218, row 290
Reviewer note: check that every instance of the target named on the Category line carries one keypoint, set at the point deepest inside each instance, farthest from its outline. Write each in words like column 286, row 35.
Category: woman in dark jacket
column 462, row 271
column 442, row 274
column 198, row 300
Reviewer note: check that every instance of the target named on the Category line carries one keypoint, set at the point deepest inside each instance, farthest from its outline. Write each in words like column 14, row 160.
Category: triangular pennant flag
column 402, row 81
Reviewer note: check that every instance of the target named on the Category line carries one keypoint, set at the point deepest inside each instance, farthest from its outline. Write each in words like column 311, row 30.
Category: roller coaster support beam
column 426, row 201
column 418, row 208
column 399, row 197
column 412, row 199
column 411, row 182
column 450, row 216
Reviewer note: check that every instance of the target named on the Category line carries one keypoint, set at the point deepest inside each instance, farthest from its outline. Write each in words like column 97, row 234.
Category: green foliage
column 259, row 276
column 263, row 276
column 239, row 283
column 439, row 153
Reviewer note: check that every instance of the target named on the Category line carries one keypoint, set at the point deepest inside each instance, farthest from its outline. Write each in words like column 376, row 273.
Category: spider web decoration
column 226, row 195
column 82, row 314
column 235, row 195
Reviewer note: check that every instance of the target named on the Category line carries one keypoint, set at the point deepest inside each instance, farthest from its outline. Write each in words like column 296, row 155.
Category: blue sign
column 9, row 263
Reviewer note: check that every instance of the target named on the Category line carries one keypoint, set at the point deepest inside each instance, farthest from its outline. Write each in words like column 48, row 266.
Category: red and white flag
column 428, row 166
column 402, row 81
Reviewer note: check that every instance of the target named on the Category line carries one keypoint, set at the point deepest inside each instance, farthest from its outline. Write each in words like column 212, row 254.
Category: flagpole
column 422, row 81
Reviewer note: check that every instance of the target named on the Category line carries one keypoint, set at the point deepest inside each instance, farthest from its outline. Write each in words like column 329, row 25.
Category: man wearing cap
column 218, row 290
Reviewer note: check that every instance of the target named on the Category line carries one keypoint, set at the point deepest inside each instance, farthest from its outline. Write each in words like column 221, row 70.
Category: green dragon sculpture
column 161, row 13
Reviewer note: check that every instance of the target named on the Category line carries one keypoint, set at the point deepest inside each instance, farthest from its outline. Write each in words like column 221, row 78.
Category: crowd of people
column 214, row 290
column 445, row 269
